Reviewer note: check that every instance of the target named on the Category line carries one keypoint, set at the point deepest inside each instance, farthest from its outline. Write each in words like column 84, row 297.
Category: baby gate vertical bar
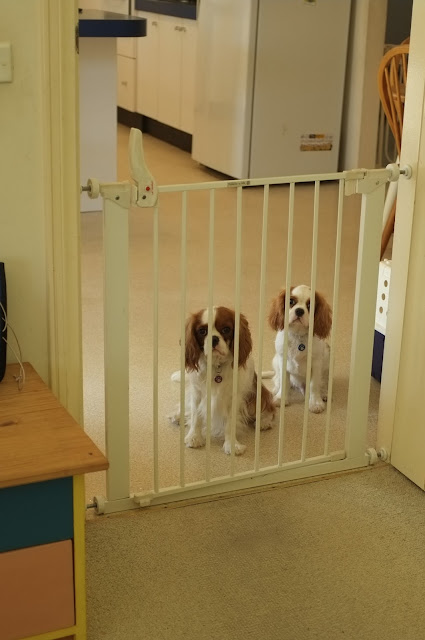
column 237, row 323
column 334, row 311
column 183, row 281
column 155, row 347
column 261, row 324
column 364, row 320
column 116, row 356
column 311, row 313
column 209, row 343
column 288, row 281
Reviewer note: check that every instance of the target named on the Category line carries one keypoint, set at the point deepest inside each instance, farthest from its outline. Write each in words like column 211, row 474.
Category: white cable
column 20, row 379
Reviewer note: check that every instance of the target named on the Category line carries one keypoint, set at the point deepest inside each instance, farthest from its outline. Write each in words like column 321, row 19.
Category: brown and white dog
column 222, row 345
column 296, row 362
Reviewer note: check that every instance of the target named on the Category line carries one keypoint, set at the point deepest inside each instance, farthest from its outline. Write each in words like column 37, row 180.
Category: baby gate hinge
column 367, row 180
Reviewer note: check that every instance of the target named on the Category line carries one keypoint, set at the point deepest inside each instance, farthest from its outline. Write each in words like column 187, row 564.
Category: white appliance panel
column 116, row 6
column 270, row 86
column 224, row 84
column 299, row 86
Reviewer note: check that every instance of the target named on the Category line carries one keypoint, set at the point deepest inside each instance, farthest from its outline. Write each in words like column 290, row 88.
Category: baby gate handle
column 144, row 193
column 147, row 191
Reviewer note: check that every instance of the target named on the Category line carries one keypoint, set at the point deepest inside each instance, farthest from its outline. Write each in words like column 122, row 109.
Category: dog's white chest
column 296, row 362
column 221, row 388
column 297, row 356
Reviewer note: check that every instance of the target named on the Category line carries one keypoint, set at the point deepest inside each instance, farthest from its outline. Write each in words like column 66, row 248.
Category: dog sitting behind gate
column 296, row 361
column 222, row 351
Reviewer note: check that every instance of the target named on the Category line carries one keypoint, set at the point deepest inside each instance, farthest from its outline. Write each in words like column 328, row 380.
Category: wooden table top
column 39, row 440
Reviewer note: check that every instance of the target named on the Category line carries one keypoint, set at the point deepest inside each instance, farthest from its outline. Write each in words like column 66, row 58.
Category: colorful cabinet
column 44, row 455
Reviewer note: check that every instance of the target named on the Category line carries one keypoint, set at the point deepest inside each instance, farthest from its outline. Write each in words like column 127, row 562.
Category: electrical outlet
column 5, row 62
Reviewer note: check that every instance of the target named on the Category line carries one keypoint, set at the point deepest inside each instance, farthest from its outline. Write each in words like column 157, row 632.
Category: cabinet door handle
column 183, row 29
column 124, row 82
column 154, row 23
column 177, row 28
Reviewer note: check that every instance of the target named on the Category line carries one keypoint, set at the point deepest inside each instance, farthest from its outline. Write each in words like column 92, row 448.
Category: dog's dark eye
column 226, row 330
column 202, row 331
column 291, row 302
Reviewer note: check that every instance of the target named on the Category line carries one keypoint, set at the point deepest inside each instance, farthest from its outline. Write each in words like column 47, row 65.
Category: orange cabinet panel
column 36, row 590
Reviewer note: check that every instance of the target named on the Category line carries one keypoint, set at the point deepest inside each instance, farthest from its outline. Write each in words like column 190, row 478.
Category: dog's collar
column 218, row 378
column 301, row 342
column 216, row 372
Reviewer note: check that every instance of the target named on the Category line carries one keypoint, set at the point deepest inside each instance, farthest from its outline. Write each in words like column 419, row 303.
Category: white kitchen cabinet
column 126, row 74
column 165, row 75
column 170, row 71
column 147, row 67
column 188, row 65
column 126, row 47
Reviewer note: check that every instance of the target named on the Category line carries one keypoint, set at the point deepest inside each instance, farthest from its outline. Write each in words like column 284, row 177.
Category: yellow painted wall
column 23, row 199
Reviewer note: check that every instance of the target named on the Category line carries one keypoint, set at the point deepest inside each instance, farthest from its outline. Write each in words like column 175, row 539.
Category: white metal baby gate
column 118, row 197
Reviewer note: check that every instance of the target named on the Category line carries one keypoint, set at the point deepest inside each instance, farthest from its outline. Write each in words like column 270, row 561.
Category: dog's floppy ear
column 245, row 341
column 192, row 348
column 322, row 317
column 277, row 312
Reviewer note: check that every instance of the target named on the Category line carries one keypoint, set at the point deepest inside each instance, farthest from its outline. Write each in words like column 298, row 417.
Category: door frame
column 401, row 423
column 62, row 176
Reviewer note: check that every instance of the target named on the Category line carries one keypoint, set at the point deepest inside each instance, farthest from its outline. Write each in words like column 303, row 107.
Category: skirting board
column 156, row 129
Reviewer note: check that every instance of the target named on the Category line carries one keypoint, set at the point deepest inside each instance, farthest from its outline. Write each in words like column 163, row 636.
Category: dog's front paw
column 174, row 418
column 316, row 405
column 194, row 441
column 267, row 423
column 239, row 448
column 277, row 400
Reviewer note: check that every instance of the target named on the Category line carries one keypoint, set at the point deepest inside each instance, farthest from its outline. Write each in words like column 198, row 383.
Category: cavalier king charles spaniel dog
column 296, row 362
column 222, row 345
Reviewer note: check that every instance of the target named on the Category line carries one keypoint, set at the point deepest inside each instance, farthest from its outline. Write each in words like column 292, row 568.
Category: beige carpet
column 170, row 165
column 338, row 559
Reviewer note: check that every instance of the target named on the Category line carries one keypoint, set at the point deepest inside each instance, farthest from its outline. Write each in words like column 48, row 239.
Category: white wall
column 90, row 4
column 361, row 110
column 22, row 186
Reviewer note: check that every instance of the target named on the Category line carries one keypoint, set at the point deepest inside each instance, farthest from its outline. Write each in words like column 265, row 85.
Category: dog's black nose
column 215, row 341
column 299, row 312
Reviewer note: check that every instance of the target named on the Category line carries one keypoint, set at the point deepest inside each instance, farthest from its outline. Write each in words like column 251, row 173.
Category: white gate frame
column 118, row 197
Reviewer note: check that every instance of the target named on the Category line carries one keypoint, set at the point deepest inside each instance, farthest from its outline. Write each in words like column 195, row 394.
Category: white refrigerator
column 270, row 86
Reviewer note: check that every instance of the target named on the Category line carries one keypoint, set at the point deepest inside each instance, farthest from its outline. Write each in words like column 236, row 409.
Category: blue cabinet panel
column 34, row 514
column 378, row 355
